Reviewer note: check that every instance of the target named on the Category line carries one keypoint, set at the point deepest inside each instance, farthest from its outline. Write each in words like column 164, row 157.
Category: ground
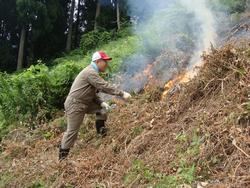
column 197, row 136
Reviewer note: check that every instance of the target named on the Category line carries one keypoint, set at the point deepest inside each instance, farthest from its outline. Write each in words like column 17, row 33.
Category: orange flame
column 182, row 78
column 152, row 80
column 148, row 74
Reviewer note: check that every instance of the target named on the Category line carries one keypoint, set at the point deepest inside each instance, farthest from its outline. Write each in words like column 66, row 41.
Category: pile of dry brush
column 217, row 101
column 214, row 107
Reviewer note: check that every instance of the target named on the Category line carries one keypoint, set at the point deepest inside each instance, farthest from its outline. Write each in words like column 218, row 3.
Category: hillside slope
column 35, row 94
column 198, row 135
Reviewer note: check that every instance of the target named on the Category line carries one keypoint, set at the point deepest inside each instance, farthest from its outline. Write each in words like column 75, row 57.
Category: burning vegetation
column 184, row 127
column 173, row 84
column 197, row 136
column 173, row 36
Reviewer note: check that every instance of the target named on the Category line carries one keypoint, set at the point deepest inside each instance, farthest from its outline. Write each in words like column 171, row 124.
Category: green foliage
column 248, row 106
column 194, row 141
column 38, row 184
column 139, row 172
column 32, row 96
column 94, row 39
column 125, row 31
column 3, row 127
column 62, row 77
column 24, row 93
column 48, row 135
column 194, row 147
column 232, row 6
column 34, row 12
column 6, row 178
column 45, row 23
column 137, row 131
column 175, row 22
column 181, row 137
column 185, row 174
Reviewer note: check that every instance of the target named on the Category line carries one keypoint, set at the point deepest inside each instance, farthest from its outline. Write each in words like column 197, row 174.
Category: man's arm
column 99, row 83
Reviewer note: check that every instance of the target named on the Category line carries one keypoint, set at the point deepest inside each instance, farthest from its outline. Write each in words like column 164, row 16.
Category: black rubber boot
column 63, row 153
column 100, row 128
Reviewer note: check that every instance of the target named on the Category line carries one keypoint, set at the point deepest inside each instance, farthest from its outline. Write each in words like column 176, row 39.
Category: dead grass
column 204, row 125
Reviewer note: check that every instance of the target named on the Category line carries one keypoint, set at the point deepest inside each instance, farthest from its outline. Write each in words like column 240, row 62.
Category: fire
column 182, row 78
column 148, row 74
column 152, row 80
column 148, row 77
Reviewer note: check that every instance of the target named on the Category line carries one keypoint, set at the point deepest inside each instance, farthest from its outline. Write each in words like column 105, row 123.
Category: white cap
column 100, row 55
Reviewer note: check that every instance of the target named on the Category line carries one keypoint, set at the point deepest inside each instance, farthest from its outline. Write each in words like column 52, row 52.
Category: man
column 83, row 99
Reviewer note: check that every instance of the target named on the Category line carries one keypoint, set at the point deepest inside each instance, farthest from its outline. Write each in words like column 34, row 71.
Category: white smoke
column 207, row 28
column 174, row 34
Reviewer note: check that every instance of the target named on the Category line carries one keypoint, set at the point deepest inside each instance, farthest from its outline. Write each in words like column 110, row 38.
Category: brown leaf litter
column 214, row 107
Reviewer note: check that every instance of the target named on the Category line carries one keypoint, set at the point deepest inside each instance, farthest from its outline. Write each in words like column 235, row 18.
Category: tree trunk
column 71, row 16
column 97, row 14
column 21, row 49
column 2, row 29
column 118, row 15
column 76, row 43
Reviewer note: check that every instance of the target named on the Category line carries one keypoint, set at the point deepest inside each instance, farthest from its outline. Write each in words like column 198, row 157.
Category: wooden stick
column 234, row 143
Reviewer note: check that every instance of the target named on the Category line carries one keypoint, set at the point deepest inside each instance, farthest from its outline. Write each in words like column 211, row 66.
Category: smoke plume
column 173, row 36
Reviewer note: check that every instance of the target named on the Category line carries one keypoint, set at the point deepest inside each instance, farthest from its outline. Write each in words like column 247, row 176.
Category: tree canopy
column 44, row 29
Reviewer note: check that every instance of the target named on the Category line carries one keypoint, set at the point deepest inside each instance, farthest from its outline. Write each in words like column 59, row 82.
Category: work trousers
column 75, row 112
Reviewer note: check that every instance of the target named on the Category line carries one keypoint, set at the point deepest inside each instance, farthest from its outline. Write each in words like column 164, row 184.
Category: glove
column 105, row 106
column 126, row 95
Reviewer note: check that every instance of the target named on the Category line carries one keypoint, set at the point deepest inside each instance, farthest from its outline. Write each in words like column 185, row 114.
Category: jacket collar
column 94, row 66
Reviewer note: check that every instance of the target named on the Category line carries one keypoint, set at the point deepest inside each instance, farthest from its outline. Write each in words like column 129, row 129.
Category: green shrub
column 124, row 32
column 61, row 78
column 32, row 96
column 24, row 93
column 94, row 39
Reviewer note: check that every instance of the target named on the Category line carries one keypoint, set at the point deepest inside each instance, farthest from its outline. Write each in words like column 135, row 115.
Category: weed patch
column 140, row 173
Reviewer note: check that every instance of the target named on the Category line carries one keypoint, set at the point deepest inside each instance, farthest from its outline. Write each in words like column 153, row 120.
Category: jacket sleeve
column 99, row 83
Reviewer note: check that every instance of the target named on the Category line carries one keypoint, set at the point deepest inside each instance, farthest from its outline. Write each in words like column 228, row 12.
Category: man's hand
column 126, row 95
column 105, row 106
